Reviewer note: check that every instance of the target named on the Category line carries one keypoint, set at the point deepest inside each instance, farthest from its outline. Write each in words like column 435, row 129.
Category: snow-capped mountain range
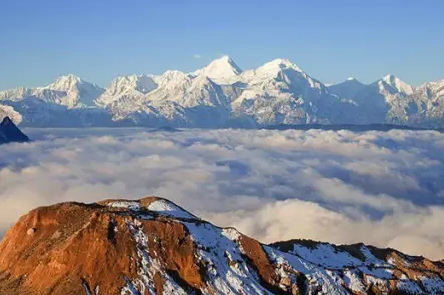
column 222, row 95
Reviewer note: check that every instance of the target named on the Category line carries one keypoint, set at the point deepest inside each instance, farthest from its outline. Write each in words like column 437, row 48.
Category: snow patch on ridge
column 167, row 208
column 134, row 206
column 148, row 269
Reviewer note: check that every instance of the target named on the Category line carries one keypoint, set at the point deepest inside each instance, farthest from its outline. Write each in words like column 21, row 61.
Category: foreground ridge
column 153, row 246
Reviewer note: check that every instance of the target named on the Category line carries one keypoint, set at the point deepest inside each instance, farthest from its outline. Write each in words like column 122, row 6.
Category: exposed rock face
column 10, row 133
column 152, row 246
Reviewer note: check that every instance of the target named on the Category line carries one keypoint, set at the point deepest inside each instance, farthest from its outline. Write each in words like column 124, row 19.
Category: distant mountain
column 126, row 86
column 35, row 112
column 69, row 91
column 153, row 246
column 375, row 101
column 396, row 84
column 10, row 133
column 347, row 89
column 279, row 92
column 223, row 95
column 220, row 70
column 423, row 107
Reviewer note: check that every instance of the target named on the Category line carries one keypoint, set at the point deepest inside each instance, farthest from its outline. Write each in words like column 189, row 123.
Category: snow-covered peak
column 171, row 78
column 270, row 70
column 224, row 58
column 388, row 78
column 131, row 85
column 432, row 89
column 65, row 82
column 140, row 83
column 69, row 78
column 397, row 84
column 70, row 91
column 438, row 84
column 279, row 64
column 350, row 81
column 220, row 69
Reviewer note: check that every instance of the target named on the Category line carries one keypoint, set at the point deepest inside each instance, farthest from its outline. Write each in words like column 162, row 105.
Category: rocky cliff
column 152, row 246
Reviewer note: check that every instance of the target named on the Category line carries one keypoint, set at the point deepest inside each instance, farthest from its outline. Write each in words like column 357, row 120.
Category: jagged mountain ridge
column 153, row 246
column 70, row 91
column 223, row 95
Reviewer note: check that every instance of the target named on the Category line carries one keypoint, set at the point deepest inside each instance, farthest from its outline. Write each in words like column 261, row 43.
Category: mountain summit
column 10, row 133
column 153, row 246
column 347, row 89
column 69, row 91
column 126, row 86
column 65, row 82
column 397, row 84
column 220, row 69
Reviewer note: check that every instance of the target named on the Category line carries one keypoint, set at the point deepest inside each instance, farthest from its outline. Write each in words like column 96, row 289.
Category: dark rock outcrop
column 11, row 133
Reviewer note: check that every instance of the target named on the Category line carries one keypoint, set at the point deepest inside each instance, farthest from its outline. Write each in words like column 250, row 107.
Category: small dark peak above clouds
column 11, row 133
column 6, row 120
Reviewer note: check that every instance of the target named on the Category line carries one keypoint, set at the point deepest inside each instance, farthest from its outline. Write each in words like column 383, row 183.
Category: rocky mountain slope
column 152, row 246
column 223, row 95
column 10, row 133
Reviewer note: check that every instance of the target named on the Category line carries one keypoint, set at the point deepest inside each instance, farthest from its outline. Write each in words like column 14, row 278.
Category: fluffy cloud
column 380, row 188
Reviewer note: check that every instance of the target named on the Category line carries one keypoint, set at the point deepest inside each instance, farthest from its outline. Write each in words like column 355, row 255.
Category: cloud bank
column 380, row 188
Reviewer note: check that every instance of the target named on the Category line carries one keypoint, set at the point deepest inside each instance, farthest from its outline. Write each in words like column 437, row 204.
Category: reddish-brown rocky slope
column 152, row 246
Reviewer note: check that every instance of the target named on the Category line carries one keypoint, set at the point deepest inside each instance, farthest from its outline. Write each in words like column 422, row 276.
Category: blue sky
column 331, row 40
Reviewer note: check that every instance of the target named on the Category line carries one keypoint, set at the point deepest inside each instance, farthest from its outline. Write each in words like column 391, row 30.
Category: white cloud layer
column 380, row 188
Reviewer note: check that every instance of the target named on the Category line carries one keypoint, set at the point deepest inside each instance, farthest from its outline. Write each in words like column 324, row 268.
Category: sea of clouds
column 380, row 188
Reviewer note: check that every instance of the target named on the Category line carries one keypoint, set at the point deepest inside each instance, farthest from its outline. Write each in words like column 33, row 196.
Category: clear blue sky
column 331, row 40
